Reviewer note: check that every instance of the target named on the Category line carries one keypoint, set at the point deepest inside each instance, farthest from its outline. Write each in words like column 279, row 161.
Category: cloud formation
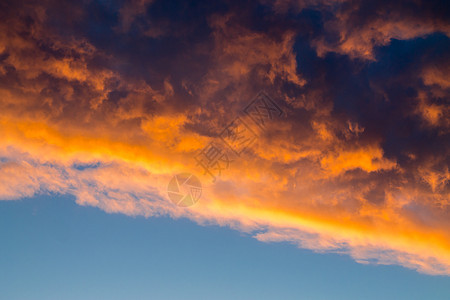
column 107, row 101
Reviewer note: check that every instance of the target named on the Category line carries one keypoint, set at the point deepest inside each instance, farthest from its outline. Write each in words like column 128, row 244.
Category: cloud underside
column 108, row 102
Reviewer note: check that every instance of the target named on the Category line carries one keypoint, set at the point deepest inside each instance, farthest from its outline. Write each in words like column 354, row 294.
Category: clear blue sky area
column 51, row 248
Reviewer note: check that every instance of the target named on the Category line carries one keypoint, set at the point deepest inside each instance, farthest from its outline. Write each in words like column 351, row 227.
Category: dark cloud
column 137, row 87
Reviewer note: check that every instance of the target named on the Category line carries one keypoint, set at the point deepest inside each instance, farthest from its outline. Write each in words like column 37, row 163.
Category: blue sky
column 225, row 149
column 52, row 248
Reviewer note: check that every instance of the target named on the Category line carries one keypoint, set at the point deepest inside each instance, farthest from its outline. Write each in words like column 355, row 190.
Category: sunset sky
column 318, row 133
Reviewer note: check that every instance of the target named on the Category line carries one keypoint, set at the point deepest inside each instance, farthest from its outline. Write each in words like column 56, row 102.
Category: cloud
column 106, row 102
column 360, row 26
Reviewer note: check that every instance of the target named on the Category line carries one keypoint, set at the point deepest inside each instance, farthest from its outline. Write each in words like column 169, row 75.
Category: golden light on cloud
column 342, row 167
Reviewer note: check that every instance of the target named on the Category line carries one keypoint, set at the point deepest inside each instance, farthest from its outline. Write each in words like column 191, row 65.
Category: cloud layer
column 107, row 101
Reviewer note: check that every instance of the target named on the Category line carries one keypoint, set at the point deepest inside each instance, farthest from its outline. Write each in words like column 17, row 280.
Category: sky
column 225, row 149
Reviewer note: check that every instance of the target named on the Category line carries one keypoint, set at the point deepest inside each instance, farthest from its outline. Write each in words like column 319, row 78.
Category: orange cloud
column 357, row 37
column 369, row 159
column 73, row 123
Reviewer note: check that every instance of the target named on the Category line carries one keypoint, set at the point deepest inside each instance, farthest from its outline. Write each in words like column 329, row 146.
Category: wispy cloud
column 107, row 102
